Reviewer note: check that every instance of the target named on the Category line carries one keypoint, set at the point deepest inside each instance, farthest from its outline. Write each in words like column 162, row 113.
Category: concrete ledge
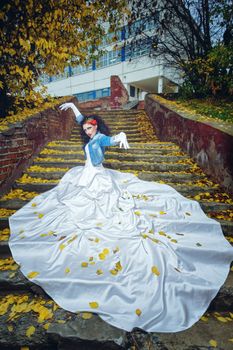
column 208, row 145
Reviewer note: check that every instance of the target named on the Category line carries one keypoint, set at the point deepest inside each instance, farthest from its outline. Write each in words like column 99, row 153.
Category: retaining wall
column 24, row 140
column 205, row 142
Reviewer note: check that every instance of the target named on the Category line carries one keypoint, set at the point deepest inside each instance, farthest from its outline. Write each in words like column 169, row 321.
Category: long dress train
column 137, row 253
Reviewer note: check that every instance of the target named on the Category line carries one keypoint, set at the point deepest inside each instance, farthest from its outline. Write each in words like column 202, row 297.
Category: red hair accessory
column 91, row 121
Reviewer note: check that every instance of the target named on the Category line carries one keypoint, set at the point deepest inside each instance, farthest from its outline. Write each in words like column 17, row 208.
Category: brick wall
column 210, row 147
column 24, row 140
column 102, row 103
column 119, row 94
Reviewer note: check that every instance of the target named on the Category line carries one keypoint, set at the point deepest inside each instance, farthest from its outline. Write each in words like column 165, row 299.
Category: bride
column 137, row 253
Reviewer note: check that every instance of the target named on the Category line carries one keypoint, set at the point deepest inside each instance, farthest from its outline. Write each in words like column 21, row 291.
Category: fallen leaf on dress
column 118, row 266
column 67, row 270
column 106, row 251
column 87, row 315
column 40, row 216
column 34, row 205
column 162, row 233
column 138, row 312
column 62, row 246
column 94, row 305
column 102, row 256
column 213, row 343
column 116, row 250
column 114, row 272
column 137, row 212
column 155, row 270
column 30, row 331
column 173, row 240
column 33, row 274
column 187, row 213
column 162, row 212
column 84, row 264
column 99, row 272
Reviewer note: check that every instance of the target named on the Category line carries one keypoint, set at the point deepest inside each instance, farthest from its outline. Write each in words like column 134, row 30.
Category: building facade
column 139, row 72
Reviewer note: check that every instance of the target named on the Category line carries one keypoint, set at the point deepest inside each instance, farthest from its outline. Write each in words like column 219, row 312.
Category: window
column 93, row 95
column 109, row 58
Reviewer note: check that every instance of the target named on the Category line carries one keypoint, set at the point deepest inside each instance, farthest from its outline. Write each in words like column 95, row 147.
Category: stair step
column 65, row 328
column 131, row 167
column 117, row 156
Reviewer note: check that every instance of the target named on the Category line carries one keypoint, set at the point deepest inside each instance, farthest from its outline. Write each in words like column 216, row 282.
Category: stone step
column 116, row 150
column 15, row 280
column 132, row 131
column 131, row 167
column 117, row 156
column 65, row 329
column 147, row 146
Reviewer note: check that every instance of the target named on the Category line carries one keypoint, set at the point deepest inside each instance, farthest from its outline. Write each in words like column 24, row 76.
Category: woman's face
column 90, row 130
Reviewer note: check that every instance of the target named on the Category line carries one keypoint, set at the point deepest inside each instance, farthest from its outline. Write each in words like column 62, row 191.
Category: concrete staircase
column 29, row 318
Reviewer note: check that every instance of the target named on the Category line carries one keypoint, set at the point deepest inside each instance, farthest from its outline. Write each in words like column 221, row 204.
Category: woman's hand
column 79, row 117
column 122, row 138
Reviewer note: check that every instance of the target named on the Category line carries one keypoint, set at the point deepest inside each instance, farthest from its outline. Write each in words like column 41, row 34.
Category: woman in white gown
column 137, row 253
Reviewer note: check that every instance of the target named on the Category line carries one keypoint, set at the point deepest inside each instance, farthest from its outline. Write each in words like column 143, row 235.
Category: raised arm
column 79, row 117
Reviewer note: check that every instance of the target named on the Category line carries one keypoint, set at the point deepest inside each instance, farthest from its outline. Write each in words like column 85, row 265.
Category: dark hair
column 101, row 127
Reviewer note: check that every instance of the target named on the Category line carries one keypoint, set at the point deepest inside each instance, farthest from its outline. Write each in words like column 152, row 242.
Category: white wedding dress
column 137, row 253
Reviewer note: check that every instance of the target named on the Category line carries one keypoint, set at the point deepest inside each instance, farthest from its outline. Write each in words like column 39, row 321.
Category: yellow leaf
column 204, row 318
column 102, row 256
column 118, row 266
column 30, row 331
column 33, row 274
column 84, row 264
column 46, row 326
column 155, row 270
column 40, row 216
column 116, row 250
column 213, row 343
column 67, row 270
column 61, row 321
column 94, row 305
column 97, row 240
column 221, row 319
column 34, row 204
column 137, row 212
column 87, row 315
column 231, row 340
column 99, row 272
column 10, row 328
column 138, row 312
column 162, row 212
column 161, row 233
column 24, row 348
column 113, row 272
column 174, row 240
column 106, row 251
column 62, row 246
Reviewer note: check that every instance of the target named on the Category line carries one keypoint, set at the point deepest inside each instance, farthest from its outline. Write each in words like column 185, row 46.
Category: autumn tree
column 191, row 36
column 42, row 37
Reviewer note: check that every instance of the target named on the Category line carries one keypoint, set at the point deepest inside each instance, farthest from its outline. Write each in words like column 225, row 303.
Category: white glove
column 79, row 117
column 122, row 139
